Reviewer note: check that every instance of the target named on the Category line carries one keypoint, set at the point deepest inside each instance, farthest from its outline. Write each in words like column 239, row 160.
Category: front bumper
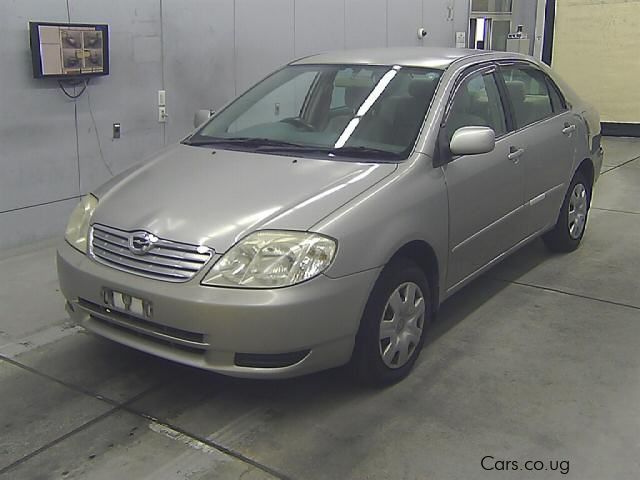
column 304, row 328
column 597, row 156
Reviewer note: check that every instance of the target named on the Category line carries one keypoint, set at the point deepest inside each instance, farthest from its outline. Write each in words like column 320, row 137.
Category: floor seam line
column 124, row 407
column 621, row 165
column 556, row 290
column 115, row 408
column 58, row 440
column 42, row 204
column 210, row 443
column 75, row 388
column 615, row 210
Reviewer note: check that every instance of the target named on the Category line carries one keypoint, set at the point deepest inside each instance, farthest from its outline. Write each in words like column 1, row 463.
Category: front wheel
column 572, row 221
column 393, row 325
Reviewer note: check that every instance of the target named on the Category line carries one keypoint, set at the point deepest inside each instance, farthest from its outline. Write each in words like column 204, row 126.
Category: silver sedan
column 323, row 216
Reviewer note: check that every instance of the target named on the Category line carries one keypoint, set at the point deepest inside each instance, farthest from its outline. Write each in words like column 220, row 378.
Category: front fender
column 409, row 205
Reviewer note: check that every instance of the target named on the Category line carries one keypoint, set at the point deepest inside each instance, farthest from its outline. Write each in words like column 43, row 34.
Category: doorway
column 489, row 24
column 487, row 33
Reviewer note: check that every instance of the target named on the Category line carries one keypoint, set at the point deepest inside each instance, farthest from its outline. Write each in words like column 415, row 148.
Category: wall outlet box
column 162, row 114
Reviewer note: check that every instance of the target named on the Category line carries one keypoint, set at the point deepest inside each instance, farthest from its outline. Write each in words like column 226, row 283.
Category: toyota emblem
column 141, row 242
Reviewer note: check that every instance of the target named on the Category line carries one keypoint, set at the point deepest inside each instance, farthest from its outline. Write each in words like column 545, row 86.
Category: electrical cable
column 95, row 129
column 73, row 96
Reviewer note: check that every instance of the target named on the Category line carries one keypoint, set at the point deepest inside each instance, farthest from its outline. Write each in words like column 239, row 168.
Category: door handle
column 515, row 154
column 568, row 129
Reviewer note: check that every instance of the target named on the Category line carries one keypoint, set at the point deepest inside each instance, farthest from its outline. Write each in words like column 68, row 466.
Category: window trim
column 442, row 154
column 309, row 95
column 553, row 86
column 462, row 77
column 506, row 102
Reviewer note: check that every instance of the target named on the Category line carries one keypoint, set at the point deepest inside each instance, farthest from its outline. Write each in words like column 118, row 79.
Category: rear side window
column 529, row 94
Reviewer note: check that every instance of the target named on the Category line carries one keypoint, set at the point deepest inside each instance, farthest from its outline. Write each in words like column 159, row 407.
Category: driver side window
column 477, row 103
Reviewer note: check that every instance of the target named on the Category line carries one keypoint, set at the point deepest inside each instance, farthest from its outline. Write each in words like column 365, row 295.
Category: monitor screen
column 63, row 50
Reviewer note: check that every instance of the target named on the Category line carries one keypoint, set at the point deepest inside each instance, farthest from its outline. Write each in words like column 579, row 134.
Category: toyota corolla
column 322, row 217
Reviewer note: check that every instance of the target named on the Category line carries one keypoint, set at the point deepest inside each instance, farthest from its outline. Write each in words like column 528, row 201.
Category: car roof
column 431, row 57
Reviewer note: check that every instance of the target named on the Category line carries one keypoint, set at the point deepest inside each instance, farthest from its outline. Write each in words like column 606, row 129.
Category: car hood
column 214, row 198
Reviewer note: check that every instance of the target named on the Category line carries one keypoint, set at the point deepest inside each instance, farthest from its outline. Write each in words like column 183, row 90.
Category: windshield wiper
column 268, row 145
column 364, row 152
column 241, row 142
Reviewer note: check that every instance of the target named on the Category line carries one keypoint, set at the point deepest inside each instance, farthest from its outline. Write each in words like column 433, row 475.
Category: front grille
column 167, row 260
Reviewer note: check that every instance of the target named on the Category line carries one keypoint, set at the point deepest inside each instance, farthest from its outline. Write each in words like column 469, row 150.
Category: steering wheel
column 298, row 122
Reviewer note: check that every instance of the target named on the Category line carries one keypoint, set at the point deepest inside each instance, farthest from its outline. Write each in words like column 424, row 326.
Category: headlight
column 269, row 259
column 78, row 226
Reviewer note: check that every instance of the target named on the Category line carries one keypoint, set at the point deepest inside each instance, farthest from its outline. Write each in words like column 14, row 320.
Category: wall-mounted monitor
column 69, row 50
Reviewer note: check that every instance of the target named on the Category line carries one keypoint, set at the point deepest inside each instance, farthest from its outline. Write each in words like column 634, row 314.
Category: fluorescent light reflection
column 366, row 106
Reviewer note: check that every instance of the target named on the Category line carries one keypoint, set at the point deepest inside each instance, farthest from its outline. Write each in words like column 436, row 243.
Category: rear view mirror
column 202, row 116
column 472, row 141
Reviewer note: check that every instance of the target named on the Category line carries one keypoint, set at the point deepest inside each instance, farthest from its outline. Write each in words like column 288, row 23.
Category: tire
column 568, row 231
column 405, row 329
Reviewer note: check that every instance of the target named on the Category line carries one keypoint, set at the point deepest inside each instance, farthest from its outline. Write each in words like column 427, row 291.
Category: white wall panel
column 37, row 132
column 365, row 23
column 128, row 95
column 319, row 26
column 199, row 59
column 403, row 20
column 437, row 19
column 263, row 38
column 33, row 224
column 461, row 10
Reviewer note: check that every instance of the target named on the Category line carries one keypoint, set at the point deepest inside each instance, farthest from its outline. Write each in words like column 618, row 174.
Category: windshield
column 352, row 111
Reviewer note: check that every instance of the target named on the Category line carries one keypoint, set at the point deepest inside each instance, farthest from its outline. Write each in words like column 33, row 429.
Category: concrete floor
column 537, row 360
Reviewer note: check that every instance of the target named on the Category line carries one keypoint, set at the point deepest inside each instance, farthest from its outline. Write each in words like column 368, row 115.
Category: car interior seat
column 353, row 98
column 517, row 95
column 405, row 114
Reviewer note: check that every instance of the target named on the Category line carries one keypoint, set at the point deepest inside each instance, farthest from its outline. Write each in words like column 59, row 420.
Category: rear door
column 485, row 191
column 545, row 136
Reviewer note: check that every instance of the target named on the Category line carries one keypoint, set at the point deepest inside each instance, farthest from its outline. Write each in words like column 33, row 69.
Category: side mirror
column 472, row 141
column 202, row 116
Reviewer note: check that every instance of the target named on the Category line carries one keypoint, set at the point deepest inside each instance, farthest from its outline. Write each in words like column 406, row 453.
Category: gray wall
column 202, row 52
column 49, row 151
column 524, row 13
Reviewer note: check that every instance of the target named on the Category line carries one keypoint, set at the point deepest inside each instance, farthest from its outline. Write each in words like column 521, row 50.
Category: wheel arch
column 587, row 168
column 423, row 254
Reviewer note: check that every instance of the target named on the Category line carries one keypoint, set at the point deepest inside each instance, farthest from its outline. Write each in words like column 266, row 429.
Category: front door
column 485, row 191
